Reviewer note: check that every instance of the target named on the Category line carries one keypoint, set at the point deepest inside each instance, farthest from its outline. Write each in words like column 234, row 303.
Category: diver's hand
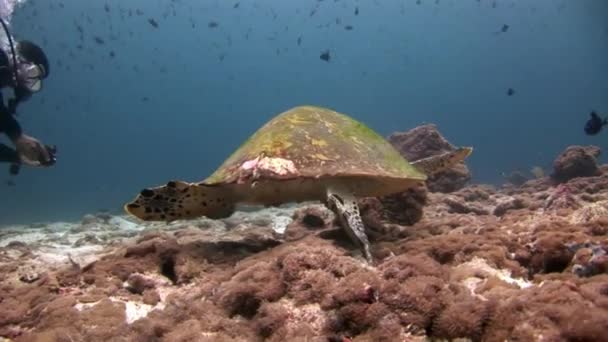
column 33, row 153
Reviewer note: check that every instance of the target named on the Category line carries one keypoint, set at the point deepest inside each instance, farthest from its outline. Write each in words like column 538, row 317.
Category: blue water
column 403, row 64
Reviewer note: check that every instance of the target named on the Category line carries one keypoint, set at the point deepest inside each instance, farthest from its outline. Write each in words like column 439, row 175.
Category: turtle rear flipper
column 435, row 164
column 344, row 205
column 180, row 200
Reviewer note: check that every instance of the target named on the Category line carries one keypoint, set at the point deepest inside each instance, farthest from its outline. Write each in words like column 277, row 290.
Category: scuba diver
column 594, row 124
column 22, row 68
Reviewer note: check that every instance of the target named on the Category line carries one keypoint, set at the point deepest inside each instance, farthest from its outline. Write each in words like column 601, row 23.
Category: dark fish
column 510, row 92
column 299, row 40
column 325, row 56
column 356, row 10
column 99, row 40
column 14, row 169
column 505, row 27
column 10, row 182
column 348, row 27
column 236, row 5
column 595, row 124
column 212, row 24
column 153, row 23
column 112, row 54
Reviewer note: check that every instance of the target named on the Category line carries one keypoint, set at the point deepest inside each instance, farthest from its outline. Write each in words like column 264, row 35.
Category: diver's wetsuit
column 8, row 123
column 10, row 127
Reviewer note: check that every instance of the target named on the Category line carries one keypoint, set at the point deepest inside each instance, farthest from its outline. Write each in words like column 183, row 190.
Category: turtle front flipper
column 180, row 200
column 344, row 205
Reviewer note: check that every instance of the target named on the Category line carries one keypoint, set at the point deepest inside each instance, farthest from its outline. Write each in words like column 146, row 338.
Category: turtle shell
column 312, row 142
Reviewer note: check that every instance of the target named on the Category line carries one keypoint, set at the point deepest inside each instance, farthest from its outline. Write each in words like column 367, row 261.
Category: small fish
column 325, row 56
column 503, row 29
column 14, row 169
column 99, row 40
column 510, row 92
column 595, row 124
column 153, row 23
column 10, row 182
column 212, row 24
column 348, row 27
column 356, row 10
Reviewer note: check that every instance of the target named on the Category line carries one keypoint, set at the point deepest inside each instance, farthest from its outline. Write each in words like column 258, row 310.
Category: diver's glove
column 33, row 153
column 52, row 152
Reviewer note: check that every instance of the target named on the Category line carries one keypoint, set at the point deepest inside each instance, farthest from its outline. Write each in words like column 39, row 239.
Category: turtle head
column 180, row 200
column 435, row 164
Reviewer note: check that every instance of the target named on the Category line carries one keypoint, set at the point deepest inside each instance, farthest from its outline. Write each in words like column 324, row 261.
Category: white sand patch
column 125, row 225
column 81, row 255
column 136, row 310
column 26, row 237
column 472, row 284
column 483, row 270
column 84, row 306
column 280, row 224
column 133, row 310
column 55, row 242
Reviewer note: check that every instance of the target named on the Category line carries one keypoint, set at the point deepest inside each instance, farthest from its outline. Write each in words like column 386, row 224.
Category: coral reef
column 576, row 161
column 480, row 264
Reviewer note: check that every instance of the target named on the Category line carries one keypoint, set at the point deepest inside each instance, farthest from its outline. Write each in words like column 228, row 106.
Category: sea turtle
column 304, row 154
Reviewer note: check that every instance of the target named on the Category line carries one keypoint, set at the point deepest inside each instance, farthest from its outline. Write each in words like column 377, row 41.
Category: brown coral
column 576, row 161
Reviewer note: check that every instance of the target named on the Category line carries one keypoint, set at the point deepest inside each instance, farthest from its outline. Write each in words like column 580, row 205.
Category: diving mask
column 30, row 77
